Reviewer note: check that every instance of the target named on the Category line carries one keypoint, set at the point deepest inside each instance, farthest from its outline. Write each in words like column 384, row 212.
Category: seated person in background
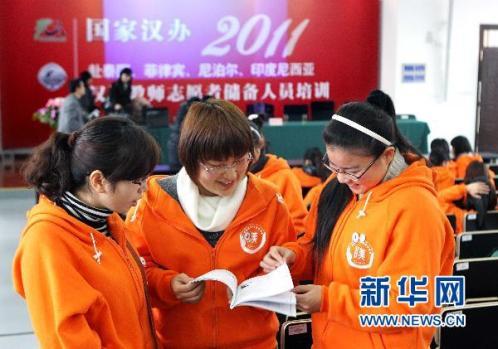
column 463, row 155
column 277, row 171
column 120, row 95
column 308, row 174
column 88, row 99
column 120, row 100
column 442, row 167
column 477, row 193
column 72, row 117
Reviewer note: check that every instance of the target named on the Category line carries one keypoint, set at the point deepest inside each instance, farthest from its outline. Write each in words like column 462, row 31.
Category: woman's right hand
column 187, row 291
column 277, row 256
column 477, row 189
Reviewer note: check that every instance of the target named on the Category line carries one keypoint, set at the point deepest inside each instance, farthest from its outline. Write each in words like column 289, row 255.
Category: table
column 291, row 140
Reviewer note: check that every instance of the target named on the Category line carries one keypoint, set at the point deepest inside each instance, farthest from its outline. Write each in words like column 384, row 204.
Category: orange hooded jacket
column 306, row 180
column 171, row 244
column 444, row 177
column 463, row 161
column 447, row 197
column 74, row 301
column 312, row 195
column 393, row 230
column 278, row 172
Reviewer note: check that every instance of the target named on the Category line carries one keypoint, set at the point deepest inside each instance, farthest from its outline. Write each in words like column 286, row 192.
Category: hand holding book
column 271, row 291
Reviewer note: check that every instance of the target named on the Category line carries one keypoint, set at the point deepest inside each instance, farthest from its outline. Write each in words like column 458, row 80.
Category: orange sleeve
column 291, row 191
column 61, row 303
column 158, row 279
column 311, row 195
column 284, row 229
column 302, row 268
column 451, row 194
column 414, row 250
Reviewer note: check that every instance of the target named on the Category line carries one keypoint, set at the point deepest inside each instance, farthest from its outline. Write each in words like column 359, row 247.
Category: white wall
column 416, row 31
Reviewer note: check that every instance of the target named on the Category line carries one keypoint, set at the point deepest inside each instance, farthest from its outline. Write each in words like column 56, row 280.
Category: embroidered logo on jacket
column 360, row 253
column 252, row 238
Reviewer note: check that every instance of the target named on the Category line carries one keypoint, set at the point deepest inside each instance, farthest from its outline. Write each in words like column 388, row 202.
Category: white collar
column 208, row 213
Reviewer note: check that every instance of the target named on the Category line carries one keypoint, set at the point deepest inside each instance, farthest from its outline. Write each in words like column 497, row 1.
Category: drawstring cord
column 98, row 253
column 363, row 212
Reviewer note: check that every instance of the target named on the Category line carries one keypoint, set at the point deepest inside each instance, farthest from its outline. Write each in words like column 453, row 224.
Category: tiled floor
column 15, row 327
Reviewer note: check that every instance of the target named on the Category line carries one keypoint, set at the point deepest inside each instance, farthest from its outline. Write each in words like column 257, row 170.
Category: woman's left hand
column 308, row 297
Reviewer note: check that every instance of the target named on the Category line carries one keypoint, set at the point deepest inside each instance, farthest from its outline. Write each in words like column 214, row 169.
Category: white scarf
column 208, row 213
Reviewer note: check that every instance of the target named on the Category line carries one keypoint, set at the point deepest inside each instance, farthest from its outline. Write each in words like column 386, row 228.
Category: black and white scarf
column 92, row 216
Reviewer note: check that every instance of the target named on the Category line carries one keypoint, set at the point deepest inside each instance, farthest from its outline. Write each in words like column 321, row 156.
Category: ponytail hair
column 114, row 145
column 48, row 170
column 335, row 196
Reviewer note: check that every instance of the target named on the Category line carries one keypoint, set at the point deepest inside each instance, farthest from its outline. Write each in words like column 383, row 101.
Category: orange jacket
column 313, row 195
column 399, row 230
column 444, row 177
column 171, row 244
column 73, row 301
column 306, row 180
column 463, row 162
column 447, row 197
column 278, row 172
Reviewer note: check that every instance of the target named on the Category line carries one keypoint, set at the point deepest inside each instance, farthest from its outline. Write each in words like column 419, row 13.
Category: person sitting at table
column 277, row 171
column 120, row 94
column 476, row 193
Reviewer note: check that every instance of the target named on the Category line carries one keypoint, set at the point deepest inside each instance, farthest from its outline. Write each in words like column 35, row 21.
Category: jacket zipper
column 215, row 322
column 125, row 257
column 336, row 237
column 146, row 293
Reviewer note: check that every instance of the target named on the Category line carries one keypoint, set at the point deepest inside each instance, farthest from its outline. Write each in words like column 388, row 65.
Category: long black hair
column 460, row 145
column 113, row 145
column 478, row 172
column 335, row 196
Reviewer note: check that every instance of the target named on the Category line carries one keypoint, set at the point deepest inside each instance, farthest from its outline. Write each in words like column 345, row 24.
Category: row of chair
column 479, row 330
column 490, row 221
column 320, row 110
column 477, row 261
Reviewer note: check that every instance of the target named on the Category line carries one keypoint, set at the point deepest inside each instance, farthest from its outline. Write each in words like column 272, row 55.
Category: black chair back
column 477, row 244
column 479, row 331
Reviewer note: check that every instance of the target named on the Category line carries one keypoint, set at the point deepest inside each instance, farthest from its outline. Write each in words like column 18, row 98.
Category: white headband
column 361, row 129
column 253, row 129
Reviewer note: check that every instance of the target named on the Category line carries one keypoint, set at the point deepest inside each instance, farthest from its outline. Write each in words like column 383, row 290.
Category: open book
column 271, row 291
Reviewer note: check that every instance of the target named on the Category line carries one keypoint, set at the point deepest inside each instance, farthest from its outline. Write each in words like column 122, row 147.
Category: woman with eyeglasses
column 83, row 282
column 276, row 170
column 212, row 215
column 377, row 217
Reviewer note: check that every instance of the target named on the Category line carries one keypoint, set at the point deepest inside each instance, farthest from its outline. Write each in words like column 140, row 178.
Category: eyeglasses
column 238, row 165
column 352, row 176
